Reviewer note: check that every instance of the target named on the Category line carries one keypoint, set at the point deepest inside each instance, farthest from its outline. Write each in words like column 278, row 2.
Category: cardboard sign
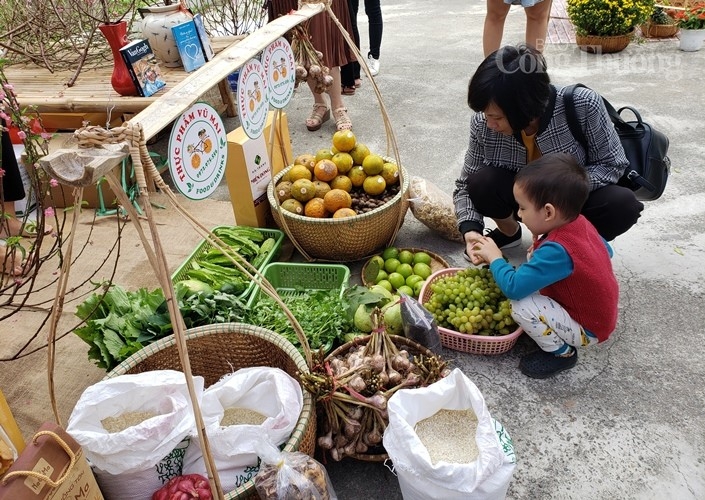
column 280, row 70
column 252, row 101
column 51, row 467
column 198, row 151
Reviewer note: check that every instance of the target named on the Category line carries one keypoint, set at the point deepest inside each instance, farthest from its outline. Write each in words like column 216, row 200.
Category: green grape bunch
column 471, row 302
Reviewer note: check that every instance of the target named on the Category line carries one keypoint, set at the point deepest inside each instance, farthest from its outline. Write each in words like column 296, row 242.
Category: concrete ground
column 626, row 423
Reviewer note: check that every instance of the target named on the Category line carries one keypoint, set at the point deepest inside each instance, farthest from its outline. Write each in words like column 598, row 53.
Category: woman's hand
column 484, row 251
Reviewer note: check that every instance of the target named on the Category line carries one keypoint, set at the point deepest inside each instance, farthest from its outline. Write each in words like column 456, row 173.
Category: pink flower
column 53, row 183
column 49, row 212
column 4, row 116
column 8, row 86
column 46, row 136
column 21, row 135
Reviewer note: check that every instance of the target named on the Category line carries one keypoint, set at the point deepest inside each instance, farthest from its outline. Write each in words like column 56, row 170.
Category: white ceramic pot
column 157, row 22
column 691, row 40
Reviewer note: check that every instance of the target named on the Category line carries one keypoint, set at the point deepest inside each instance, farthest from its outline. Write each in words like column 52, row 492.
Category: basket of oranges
column 341, row 204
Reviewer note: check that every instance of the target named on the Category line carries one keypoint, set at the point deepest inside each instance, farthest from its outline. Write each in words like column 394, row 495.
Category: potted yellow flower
column 604, row 26
column 691, row 21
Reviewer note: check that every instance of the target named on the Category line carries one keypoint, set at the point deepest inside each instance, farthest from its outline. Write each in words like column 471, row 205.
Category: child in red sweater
column 565, row 295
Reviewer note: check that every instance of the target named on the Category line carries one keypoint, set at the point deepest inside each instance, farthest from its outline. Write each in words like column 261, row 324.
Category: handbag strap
column 42, row 477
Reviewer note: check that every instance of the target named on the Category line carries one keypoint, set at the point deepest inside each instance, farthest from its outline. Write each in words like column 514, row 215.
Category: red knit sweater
column 591, row 293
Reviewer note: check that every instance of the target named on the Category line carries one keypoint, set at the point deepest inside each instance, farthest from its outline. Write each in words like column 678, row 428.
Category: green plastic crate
column 204, row 246
column 291, row 279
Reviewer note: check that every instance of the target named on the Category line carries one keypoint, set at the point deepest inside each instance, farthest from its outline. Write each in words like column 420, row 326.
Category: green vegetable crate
column 204, row 246
column 291, row 279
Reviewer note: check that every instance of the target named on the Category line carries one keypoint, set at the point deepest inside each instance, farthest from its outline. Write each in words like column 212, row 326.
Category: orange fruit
column 283, row 191
column 357, row 175
column 196, row 161
column 373, row 164
column 307, row 160
column 321, row 188
column 323, row 154
column 374, row 185
column 325, row 170
column 303, row 190
column 207, row 145
column 344, row 140
column 293, row 206
column 344, row 212
column 390, row 172
column 341, row 182
column 358, row 153
column 343, row 161
column 299, row 172
column 335, row 199
column 315, row 208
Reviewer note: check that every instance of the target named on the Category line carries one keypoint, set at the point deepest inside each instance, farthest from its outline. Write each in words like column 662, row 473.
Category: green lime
column 390, row 253
column 406, row 290
column 405, row 270
column 397, row 280
column 390, row 265
column 422, row 257
column 423, row 270
column 413, row 279
column 417, row 288
column 385, row 284
column 381, row 275
column 406, row 257
column 379, row 260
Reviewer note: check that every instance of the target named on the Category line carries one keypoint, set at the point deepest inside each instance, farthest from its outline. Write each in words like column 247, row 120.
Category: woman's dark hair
column 558, row 179
column 515, row 79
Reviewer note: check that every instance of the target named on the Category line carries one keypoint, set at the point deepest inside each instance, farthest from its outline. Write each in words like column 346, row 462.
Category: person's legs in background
column 321, row 111
column 373, row 10
column 493, row 29
column 537, row 18
column 350, row 73
column 612, row 210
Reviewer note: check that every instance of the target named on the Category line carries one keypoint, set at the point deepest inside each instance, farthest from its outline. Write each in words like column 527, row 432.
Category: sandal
column 319, row 115
column 358, row 82
column 348, row 90
column 342, row 120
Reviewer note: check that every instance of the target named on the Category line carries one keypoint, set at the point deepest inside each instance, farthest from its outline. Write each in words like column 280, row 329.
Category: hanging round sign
column 198, row 151
column 252, row 101
column 280, row 70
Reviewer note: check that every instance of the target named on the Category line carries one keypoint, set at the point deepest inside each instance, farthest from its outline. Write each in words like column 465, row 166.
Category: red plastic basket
column 475, row 344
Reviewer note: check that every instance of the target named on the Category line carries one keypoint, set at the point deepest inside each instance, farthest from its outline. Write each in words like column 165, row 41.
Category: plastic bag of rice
column 433, row 208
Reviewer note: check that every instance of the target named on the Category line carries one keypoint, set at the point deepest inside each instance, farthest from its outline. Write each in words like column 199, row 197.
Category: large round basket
column 594, row 44
column 216, row 350
column 651, row 30
column 414, row 348
column 345, row 239
column 475, row 344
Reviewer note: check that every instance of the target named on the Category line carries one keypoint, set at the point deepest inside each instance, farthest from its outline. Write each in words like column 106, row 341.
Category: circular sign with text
column 280, row 70
column 252, row 101
column 198, row 151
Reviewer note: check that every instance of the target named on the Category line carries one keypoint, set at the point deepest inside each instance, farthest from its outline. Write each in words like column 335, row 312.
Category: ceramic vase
column 157, row 22
column 116, row 36
column 691, row 40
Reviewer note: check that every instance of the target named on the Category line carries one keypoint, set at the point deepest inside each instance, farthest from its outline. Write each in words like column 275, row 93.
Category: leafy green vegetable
column 321, row 314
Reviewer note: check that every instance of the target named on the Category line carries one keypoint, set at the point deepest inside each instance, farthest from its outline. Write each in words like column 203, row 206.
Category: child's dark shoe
column 542, row 364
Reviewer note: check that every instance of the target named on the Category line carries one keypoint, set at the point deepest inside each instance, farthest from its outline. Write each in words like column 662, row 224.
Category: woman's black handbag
column 644, row 147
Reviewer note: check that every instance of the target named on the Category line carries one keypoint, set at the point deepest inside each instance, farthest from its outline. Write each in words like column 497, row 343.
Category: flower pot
column 691, row 40
column 652, row 30
column 157, row 22
column 597, row 44
column 116, row 35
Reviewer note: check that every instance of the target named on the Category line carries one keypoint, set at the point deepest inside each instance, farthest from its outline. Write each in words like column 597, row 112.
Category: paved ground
column 627, row 421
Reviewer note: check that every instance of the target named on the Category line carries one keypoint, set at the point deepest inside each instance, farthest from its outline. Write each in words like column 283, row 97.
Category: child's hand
column 484, row 250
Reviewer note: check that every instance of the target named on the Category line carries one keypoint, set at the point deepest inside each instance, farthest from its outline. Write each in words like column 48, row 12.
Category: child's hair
column 558, row 179
column 515, row 79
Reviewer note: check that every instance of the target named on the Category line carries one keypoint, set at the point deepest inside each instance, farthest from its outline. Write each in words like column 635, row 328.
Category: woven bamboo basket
column 651, row 30
column 594, row 44
column 379, row 454
column 216, row 350
column 345, row 239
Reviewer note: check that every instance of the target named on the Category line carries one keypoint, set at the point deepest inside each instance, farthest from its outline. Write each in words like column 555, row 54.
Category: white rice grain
column 449, row 436
column 126, row 420
column 241, row 416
